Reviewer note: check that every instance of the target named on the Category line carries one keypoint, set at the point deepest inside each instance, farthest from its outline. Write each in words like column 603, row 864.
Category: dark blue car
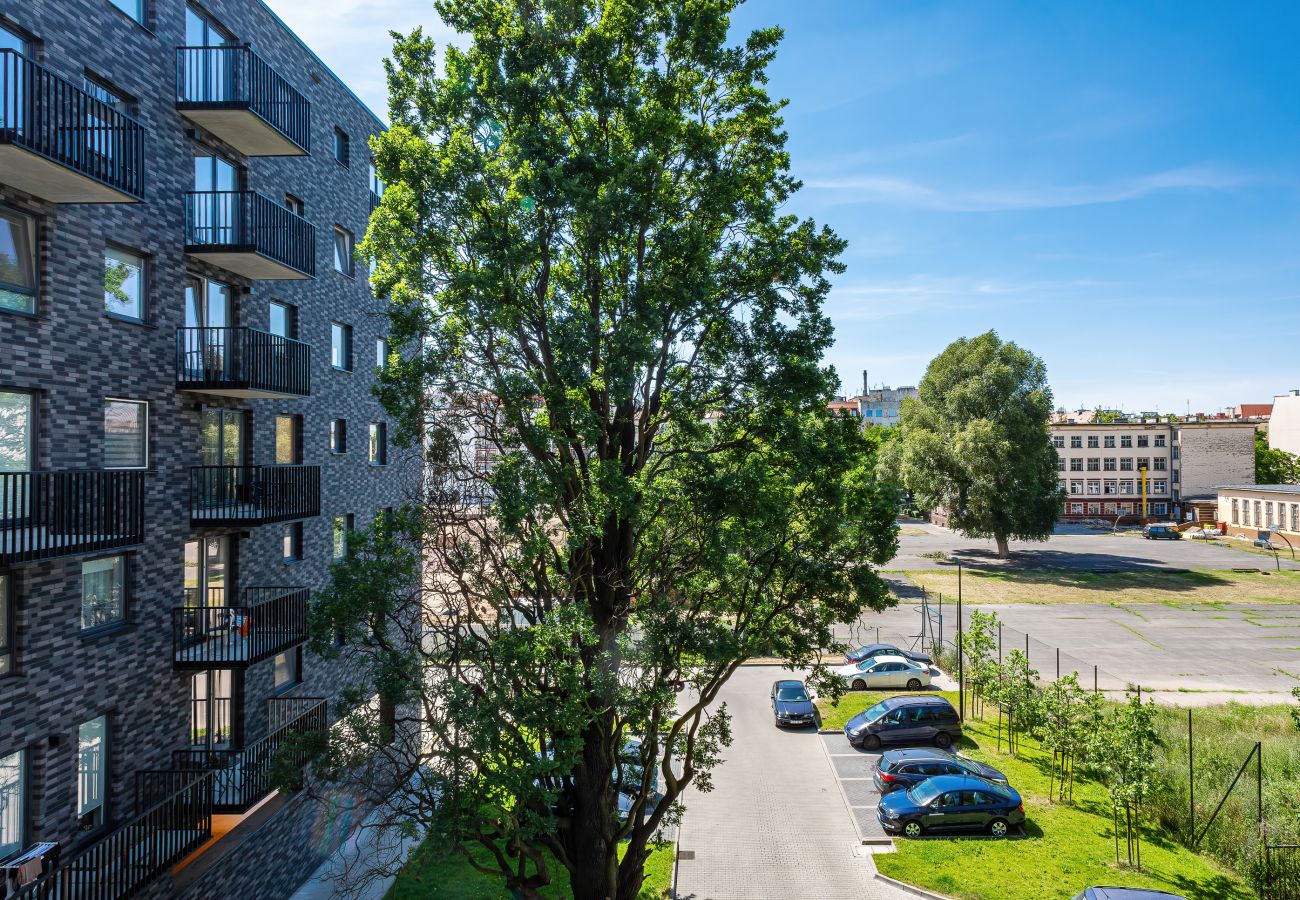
column 792, row 704
column 951, row 803
column 901, row 769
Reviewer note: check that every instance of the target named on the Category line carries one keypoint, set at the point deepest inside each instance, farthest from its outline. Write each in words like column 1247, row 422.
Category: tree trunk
column 1003, row 550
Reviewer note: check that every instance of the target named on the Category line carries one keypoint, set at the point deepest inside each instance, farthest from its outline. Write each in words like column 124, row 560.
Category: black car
column 1109, row 892
column 902, row 769
column 792, row 704
column 871, row 650
column 912, row 719
column 951, row 803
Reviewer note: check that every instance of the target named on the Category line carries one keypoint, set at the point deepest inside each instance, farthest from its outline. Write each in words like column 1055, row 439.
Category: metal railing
column 268, row 621
column 1281, row 872
column 243, row 777
column 133, row 854
column 249, row 222
column 54, row 118
column 242, row 359
column 237, row 78
column 253, row 495
column 49, row 514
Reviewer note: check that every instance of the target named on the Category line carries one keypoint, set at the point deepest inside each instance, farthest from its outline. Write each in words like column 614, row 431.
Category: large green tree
column 609, row 335
column 975, row 442
column 1274, row 466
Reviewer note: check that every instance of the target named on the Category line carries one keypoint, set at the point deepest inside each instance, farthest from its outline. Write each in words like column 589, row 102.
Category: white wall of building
column 1284, row 426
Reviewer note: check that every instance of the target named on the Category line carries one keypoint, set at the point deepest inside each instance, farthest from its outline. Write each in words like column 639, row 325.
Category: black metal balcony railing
column 237, row 78
column 253, row 495
column 242, row 360
column 268, row 620
column 54, row 118
column 48, row 514
column 234, row 222
column 164, row 832
column 243, row 777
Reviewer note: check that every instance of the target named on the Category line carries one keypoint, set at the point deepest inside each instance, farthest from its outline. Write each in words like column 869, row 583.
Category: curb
column 910, row 888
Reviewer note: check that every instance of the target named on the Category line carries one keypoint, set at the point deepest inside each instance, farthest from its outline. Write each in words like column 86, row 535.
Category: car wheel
column 912, row 829
column 998, row 828
column 913, row 684
column 859, row 684
column 871, row 742
column 943, row 739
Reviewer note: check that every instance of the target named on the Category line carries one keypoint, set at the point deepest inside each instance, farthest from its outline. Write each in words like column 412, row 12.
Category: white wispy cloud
column 908, row 192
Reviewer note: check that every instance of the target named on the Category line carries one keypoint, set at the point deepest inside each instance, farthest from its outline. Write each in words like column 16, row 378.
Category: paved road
column 775, row 826
column 1072, row 547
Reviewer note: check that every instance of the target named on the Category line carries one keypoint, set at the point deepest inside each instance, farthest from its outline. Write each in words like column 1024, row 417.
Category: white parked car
column 885, row 672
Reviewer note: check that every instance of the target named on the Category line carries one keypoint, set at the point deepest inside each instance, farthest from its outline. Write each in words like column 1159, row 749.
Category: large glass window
column 17, row 262
column 103, row 591
column 288, row 441
column 343, row 259
column 92, row 770
column 13, row 802
column 284, row 319
column 342, row 525
column 292, row 549
column 124, row 283
column 126, row 434
column 341, row 346
column 342, row 146
column 12, row 40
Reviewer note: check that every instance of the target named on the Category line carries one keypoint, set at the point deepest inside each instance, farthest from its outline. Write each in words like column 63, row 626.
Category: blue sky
column 1112, row 185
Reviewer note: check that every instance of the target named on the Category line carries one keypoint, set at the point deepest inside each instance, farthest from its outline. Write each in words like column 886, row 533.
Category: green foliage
column 1123, row 753
column 115, row 276
column 975, row 442
column 1274, row 466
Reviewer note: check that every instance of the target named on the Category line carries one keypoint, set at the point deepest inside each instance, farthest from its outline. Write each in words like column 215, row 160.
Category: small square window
column 126, row 434
column 124, row 284
column 342, row 146
column 287, row 669
column 338, row 436
column 341, row 346
column 103, row 592
column 17, row 262
column 379, row 443
column 292, row 541
column 344, row 262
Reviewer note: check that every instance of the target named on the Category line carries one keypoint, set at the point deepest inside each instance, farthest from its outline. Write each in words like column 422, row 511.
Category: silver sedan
column 885, row 672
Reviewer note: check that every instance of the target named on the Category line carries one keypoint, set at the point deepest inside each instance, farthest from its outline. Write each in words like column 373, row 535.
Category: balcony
column 211, row 635
column 249, row 234
column 44, row 515
column 233, row 93
column 175, row 819
column 241, row 362
column 243, row 777
column 61, row 144
column 253, row 495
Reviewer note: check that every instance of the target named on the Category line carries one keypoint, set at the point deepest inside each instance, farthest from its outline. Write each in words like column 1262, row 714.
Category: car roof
column 959, row 783
column 910, row 755
column 920, row 700
column 788, row 682
column 877, row 647
column 1113, row 892
column 889, row 657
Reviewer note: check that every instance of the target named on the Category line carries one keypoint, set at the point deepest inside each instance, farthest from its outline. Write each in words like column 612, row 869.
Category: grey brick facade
column 73, row 356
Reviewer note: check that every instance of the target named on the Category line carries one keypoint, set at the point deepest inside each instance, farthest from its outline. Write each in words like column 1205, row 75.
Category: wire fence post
column 1094, row 679
column 1191, row 782
column 1058, row 663
column 961, row 667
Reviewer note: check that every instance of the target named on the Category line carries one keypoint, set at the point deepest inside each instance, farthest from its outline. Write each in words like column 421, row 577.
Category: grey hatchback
column 912, row 719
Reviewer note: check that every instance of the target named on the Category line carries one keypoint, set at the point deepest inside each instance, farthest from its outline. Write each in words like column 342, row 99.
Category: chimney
column 865, row 387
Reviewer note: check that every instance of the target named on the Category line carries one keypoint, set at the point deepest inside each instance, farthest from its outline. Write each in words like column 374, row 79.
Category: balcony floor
column 54, row 181
column 242, row 129
column 246, row 262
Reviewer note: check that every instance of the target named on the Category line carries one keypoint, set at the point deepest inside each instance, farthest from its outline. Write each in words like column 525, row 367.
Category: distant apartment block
column 1284, row 423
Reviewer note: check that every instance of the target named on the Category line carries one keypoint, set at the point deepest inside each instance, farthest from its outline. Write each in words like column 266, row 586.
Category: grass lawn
column 434, row 872
column 1176, row 588
column 1067, row 847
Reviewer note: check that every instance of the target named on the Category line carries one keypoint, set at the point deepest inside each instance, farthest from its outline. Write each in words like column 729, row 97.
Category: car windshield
column 873, row 713
column 792, row 693
column 923, row 793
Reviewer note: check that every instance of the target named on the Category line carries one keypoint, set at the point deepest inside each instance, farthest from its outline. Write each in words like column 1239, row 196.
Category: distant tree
column 975, row 442
column 1274, row 466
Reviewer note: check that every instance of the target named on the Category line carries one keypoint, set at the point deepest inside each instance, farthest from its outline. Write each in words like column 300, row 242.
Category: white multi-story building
column 1284, row 424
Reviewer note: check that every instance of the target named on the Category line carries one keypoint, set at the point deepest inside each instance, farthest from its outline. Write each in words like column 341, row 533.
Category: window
column 288, row 440
column 341, row 346
column 1295, row 516
column 379, row 443
column 288, row 669
column 381, row 353
column 12, row 40
column 1174, row 476
column 1076, row 487
column 1058, row 441
column 1076, row 464
column 342, row 525
column 92, row 769
column 17, row 262
column 17, row 445
column 342, row 146
column 292, row 541
column 102, row 135
column 338, row 436
column 1076, row 509
column 1160, row 440
column 1126, row 464
column 1094, row 487
column 1142, row 440
column 1108, row 464
column 1076, row 442
column 1245, row 512
column 133, row 8
column 284, row 319
column 376, row 186
column 343, row 260
column 1268, row 513
column 103, row 592
column 6, row 663
column 126, row 434
column 1126, row 440
column 1159, row 509
column 1092, row 442
column 1111, row 487
column 1236, row 512
column 1143, row 462
column 1094, row 464
column 124, row 280
column 1126, row 487
column 1094, row 509
column 13, row 802
column 1160, row 487
column 1060, row 464
column 295, row 205
column 1109, row 441
column 1161, row 463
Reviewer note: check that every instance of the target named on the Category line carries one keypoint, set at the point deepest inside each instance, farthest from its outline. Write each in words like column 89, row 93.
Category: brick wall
column 1214, row 454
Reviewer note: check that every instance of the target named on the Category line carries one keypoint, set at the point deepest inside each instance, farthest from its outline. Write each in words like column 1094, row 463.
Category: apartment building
column 1284, row 422
column 882, row 406
column 1106, row 469
column 187, row 434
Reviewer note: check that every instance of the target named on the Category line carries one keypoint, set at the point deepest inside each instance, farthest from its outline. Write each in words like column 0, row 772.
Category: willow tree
column 607, row 337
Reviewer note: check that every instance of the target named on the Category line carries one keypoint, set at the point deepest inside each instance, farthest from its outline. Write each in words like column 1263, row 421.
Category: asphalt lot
column 853, row 770
column 775, row 826
column 1072, row 547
